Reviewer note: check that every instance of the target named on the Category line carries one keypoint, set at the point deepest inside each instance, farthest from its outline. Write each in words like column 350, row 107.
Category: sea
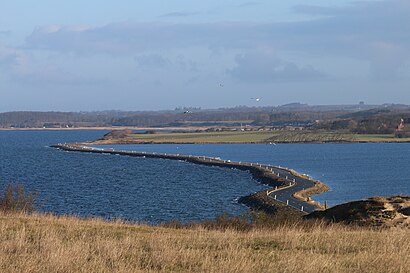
column 158, row 190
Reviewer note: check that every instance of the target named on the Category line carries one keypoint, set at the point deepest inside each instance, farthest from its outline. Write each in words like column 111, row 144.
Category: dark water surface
column 157, row 190
column 150, row 190
column 353, row 171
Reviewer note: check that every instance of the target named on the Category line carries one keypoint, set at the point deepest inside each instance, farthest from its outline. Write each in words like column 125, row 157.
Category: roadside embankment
column 285, row 183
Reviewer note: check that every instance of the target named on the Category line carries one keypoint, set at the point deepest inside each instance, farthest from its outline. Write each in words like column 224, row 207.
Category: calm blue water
column 155, row 190
column 353, row 171
column 149, row 190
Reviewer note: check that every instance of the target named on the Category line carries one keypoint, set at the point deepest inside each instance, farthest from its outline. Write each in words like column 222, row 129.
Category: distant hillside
column 53, row 119
column 383, row 120
column 376, row 112
column 344, row 117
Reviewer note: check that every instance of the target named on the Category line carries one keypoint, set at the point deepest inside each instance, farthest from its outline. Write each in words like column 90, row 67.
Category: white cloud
column 179, row 14
column 371, row 32
column 21, row 67
column 264, row 66
column 125, row 38
column 152, row 60
column 46, row 75
column 344, row 30
column 4, row 33
column 248, row 4
column 12, row 59
column 159, row 62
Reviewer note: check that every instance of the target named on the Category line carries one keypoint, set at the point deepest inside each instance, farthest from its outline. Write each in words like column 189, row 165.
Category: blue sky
column 151, row 55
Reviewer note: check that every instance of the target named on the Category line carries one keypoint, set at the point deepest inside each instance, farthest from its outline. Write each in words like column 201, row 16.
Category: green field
column 254, row 137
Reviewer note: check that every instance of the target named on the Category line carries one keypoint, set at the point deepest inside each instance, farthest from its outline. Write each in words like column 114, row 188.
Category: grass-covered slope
column 40, row 243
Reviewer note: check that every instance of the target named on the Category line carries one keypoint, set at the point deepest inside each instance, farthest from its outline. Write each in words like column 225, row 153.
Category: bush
column 15, row 199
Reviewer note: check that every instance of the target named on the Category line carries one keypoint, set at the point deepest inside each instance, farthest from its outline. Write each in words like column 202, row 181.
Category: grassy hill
column 32, row 242
column 43, row 243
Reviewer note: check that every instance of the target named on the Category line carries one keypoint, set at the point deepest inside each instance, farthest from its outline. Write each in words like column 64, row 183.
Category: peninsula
column 265, row 136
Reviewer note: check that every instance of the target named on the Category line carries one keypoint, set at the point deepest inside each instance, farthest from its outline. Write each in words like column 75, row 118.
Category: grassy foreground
column 41, row 243
column 250, row 137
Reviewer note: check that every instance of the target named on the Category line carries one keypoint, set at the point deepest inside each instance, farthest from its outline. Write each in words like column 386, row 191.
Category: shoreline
column 234, row 142
column 103, row 128
column 192, row 128
column 286, row 182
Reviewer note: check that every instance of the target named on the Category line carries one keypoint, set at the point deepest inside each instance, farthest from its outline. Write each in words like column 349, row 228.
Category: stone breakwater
column 285, row 183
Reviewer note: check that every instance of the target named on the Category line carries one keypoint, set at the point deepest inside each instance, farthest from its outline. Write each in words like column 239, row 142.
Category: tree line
column 374, row 121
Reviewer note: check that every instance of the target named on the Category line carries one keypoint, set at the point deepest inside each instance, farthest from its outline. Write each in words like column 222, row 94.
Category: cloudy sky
column 160, row 54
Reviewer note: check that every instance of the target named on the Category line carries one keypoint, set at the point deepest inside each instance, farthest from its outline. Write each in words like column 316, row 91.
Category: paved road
column 285, row 195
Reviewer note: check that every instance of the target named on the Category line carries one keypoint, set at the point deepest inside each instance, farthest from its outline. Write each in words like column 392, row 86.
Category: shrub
column 15, row 199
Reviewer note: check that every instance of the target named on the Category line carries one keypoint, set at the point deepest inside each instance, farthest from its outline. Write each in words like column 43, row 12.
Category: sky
column 153, row 55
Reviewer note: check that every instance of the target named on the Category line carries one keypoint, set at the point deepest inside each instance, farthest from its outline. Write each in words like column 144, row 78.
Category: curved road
column 285, row 195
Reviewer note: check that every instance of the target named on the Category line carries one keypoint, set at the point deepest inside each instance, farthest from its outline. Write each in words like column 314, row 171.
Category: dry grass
column 40, row 243
column 15, row 199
